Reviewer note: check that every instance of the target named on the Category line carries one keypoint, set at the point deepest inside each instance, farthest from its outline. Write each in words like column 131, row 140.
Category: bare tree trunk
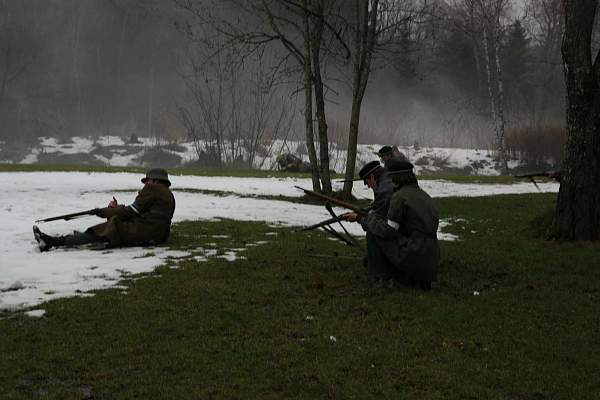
column 150, row 103
column 309, row 132
column 496, row 110
column 548, row 16
column 475, row 47
column 488, row 71
column 500, row 133
column 364, row 43
column 315, row 43
column 578, row 208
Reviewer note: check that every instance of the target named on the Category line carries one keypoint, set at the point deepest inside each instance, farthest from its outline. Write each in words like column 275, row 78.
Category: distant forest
column 123, row 67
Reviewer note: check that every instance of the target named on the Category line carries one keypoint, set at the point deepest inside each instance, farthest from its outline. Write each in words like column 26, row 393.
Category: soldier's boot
column 46, row 242
column 81, row 238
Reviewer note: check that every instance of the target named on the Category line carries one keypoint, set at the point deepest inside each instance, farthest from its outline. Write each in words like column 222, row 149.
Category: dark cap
column 384, row 151
column 396, row 166
column 368, row 169
column 159, row 174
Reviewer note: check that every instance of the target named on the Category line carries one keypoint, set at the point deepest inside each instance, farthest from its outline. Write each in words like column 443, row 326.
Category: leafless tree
column 235, row 106
column 374, row 30
column 545, row 19
column 486, row 20
column 297, row 31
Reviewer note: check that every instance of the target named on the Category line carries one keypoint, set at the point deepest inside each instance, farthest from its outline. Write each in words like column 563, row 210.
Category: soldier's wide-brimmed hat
column 384, row 150
column 159, row 174
column 368, row 169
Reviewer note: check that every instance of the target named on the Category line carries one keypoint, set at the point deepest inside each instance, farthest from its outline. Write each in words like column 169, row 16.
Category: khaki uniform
column 407, row 237
column 146, row 221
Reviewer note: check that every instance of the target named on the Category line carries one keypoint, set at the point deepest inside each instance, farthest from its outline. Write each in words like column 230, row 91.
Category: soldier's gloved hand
column 350, row 217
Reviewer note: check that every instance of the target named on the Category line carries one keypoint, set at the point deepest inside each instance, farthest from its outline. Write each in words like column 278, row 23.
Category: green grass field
column 513, row 317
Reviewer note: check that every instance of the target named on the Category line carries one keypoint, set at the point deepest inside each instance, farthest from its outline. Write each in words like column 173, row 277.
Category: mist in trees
column 122, row 67
column 86, row 67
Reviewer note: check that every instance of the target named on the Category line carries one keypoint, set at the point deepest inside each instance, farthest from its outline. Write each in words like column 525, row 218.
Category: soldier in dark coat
column 387, row 153
column 146, row 221
column 402, row 246
column 377, row 179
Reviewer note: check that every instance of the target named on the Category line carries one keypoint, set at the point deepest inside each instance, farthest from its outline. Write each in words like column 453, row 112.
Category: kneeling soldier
column 147, row 221
column 403, row 245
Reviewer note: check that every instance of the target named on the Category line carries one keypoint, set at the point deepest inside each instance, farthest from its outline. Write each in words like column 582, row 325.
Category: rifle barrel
column 68, row 217
column 533, row 175
column 332, row 200
column 320, row 224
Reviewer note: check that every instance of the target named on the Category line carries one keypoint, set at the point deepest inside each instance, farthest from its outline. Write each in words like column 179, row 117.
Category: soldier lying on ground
column 403, row 245
column 291, row 163
column 146, row 221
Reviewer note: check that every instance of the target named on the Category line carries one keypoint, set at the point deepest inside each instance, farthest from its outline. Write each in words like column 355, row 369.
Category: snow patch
column 122, row 153
column 27, row 196
column 35, row 313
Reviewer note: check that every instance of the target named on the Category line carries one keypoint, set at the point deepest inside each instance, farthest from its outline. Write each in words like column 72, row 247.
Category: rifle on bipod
column 68, row 217
column 321, row 224
column 348, row 235
column 333, row 200
column 326, row 224
column 546, row 174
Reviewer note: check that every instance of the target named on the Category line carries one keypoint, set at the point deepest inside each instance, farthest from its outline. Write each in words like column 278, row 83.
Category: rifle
column 351, row 239
column 391, row 173
column 545, row 174
column 321, row 224
column 349, row 180
column 333, row 200
column 326, row 224
column 68, row 217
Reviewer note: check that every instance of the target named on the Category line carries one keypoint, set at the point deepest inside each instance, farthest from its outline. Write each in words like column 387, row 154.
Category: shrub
column 64, row 140
column 14, row 152
column 157, row 156
column 100, row 150
column 206, row 159
column 174, row 147
column 422, row 161
column 77, row 158
column 440, row 162
column 301, row 149
column 538, row 146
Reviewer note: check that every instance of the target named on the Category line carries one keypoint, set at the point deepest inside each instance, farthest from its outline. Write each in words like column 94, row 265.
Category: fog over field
column 123, row 67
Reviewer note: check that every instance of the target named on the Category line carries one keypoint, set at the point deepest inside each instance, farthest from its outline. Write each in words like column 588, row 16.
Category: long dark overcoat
column 146, row 221
column 408, row 235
